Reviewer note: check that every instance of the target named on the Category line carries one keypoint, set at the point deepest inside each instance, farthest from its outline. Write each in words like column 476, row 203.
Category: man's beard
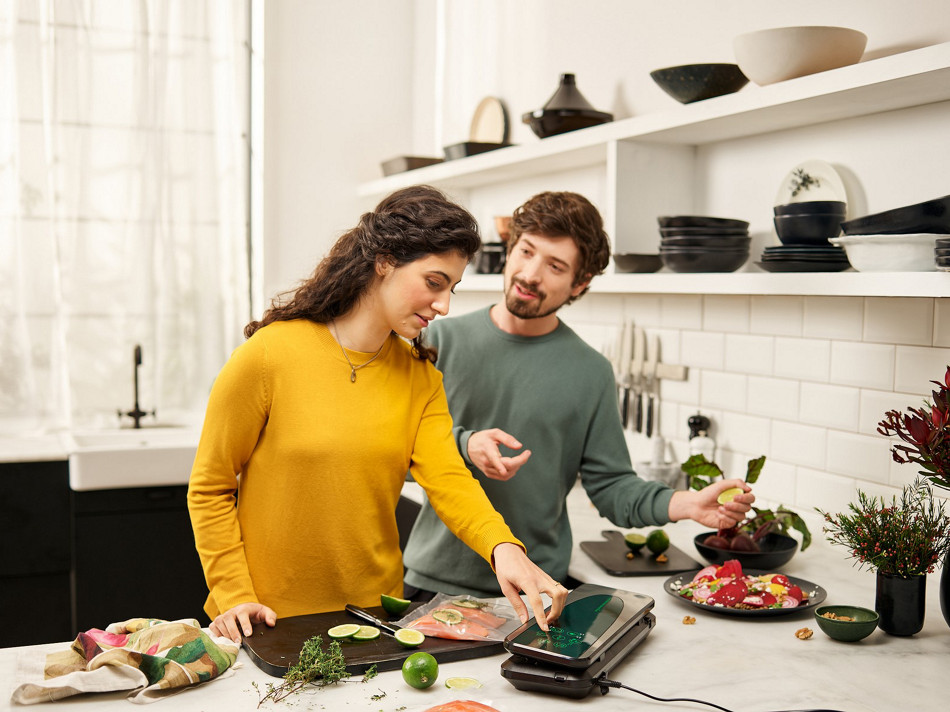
column 527, row 310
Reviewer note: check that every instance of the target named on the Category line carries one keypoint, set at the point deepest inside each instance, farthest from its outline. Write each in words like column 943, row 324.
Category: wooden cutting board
column 275, row 649
column 611, row 555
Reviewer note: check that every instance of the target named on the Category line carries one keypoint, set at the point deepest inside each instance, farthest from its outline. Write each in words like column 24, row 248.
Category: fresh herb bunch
column 906, row 539
column 927, row 434
column 315, row 666
column 701, row 473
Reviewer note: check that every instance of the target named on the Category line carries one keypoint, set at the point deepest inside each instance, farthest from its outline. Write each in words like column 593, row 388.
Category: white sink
column 147, row 457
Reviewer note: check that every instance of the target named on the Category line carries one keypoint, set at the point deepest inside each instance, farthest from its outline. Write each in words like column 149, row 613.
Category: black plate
column 802, row 266
column 816, row 596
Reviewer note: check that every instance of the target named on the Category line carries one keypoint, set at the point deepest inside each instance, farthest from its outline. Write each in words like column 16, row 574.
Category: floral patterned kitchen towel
column 152, row 658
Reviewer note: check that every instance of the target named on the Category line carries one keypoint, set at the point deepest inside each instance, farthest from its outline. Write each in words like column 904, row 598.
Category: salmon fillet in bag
column 463, row 618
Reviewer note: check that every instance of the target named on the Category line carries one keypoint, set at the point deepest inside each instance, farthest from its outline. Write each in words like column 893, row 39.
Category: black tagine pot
column 567, row 110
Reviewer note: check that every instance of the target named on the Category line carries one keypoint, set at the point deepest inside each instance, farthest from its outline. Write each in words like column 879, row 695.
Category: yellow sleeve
column 237, row 412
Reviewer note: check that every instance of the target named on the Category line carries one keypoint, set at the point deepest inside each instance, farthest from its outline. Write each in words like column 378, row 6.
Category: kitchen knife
column 636, row 368
column 626, row 340
column 368, row 617
column 653, row 356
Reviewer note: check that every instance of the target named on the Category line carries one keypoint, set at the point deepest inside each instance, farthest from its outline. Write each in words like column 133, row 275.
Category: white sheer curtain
column 123, row 175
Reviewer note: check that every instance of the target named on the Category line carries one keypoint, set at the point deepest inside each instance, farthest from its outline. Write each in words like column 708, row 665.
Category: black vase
column 900, row 603
column 945, row 588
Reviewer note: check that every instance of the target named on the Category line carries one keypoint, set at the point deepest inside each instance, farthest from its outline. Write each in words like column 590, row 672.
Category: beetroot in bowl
column 775, row 550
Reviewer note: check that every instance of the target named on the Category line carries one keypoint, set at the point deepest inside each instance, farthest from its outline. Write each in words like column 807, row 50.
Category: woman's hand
column 517, row 573
column 703, row 507
column 242, row 617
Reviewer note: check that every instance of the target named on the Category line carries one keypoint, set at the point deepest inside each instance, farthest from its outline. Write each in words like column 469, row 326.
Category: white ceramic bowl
column 890, row 253
column 780, row 53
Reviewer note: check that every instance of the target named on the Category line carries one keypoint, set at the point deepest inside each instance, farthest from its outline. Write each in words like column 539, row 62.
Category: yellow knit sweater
column 298, row 471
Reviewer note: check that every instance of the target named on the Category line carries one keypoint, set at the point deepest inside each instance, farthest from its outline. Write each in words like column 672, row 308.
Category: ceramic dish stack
column 804, row 229
column 700, row 243
column 942, row 253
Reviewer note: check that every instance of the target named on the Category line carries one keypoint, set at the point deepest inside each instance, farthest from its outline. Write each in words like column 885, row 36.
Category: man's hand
column 233, row 621
column 701, row 505
column 484, row 453
column 516, row 573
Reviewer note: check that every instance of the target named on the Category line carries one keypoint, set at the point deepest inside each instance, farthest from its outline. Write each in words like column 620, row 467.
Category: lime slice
column 420, row 670
column 366, row 632
column 728, row 495
column 344, row 630
column 462, row 683
column 409, row 637
column 635, row 541
column 392, row 605
column 467, row 603
column 447, row 616
column 658, row 541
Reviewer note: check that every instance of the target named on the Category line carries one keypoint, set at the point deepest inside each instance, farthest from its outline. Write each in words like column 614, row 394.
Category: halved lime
column 392, row 605
column 462, row 683
column 447, row 616
column 658, row 541
column 728, row 495
column 409, row 637
column 635, row 541
column 366, row 632
column 344, row 630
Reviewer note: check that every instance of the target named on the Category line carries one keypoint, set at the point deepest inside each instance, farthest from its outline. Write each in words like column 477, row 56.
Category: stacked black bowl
column 700, row 243
column 804, row 230
column 942, row 253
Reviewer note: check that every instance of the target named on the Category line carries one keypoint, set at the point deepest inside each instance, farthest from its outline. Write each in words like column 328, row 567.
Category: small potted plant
column 925, row 432
column 902, row 541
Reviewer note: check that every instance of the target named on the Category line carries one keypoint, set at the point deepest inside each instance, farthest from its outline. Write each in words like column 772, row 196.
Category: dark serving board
column 275, row 649
column 611, row 555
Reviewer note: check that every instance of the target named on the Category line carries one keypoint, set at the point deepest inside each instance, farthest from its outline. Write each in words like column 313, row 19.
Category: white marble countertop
column 741, row 664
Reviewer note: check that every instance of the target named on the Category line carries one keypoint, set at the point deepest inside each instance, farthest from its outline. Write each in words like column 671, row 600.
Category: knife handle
column 650, row 417
column 624, row 406
column 368, row 617
column 638, row 412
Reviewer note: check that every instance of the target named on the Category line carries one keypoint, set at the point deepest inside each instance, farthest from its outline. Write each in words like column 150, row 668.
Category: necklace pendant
column 352, row 375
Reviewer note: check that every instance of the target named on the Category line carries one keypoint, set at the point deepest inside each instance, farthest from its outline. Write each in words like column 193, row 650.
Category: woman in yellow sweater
column 314, row 421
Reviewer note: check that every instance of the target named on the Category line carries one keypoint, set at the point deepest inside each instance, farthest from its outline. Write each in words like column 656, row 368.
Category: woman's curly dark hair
column 560, row 214
column 407, row 225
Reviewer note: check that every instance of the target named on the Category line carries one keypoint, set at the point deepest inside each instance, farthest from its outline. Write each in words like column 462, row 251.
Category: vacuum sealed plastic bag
column 463, row 618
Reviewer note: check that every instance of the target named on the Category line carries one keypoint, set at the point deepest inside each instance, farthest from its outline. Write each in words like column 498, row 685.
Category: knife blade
column 368, row 617
column 653, row 356
column 626, row 343
column 636, row 368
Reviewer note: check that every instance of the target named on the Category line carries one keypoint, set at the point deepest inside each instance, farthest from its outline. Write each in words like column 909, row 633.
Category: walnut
column 629, row 555
column 688, row 620
column 804, row 633
column 661, row 559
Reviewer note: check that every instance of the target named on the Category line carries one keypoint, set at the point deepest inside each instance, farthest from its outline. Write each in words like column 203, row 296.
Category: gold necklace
column 355, row 368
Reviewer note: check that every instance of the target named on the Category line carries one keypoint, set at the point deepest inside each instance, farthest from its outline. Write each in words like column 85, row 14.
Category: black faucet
column 136, row 413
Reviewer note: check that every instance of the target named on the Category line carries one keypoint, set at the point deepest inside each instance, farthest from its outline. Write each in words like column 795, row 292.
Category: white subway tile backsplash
column 863, row 457
column 685, row 392
column 726, row 313
column 748, row 433
column 874, row 404
column 799, row 444
column 681, row 311
column 750, row 354
column 723, row 390
column 899, row 320
column 941, row 322
column 644, row 309
column 901, row 474
column 839, row 318
column 823, row 490
column 916, row 367
column 803, row 359
column 776, row 483
column 780, row 316
column 702, row 349
column 670, row 349
column 864, row 365
column 774, row 397
column 829, row 406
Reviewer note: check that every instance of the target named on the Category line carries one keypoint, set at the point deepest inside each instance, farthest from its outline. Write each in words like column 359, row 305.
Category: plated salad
column 727, row 587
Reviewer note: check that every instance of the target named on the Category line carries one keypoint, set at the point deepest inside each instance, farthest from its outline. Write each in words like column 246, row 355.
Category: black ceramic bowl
column 775, row 550
column 812, row 206
column 694, row 82
column 807, row 228
column 686, row 231
column 931, row 216
column 692, row 221
column 701, row 259
column 707, row 241
column 469, row 148
column 633, row 262
column 550, row 122
column 401, row 164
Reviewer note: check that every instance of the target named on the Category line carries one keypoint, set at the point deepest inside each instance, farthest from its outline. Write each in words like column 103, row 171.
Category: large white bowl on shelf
column 780, row 53
column 912, row 252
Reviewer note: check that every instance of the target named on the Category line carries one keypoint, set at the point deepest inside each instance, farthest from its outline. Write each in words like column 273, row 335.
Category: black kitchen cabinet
column 134, row 556
column 34, row 553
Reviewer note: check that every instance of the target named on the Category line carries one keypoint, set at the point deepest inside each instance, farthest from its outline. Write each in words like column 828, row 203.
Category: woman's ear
column 384, row 265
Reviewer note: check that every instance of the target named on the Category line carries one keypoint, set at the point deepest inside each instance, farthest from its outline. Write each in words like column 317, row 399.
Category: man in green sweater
column 534, row 406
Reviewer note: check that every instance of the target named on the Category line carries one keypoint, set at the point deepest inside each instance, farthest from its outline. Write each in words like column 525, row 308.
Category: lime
column 728, row 495
column 344, row 630
column 462, row 683
column 447, row 616
column 392, row 605
column 366, row 632
column 635, row 541
column 409, row 637
column 658, row 541
column 468, row 603
column 420, row 670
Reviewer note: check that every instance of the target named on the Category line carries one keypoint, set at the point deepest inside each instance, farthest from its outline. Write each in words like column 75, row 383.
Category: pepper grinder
column 699, row 441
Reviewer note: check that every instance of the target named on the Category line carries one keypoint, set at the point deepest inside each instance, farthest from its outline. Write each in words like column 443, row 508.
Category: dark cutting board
column 275, row 649
column 612, row 556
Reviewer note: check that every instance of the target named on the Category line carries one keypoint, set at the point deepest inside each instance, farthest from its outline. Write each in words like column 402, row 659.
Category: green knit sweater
column 556, row 395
